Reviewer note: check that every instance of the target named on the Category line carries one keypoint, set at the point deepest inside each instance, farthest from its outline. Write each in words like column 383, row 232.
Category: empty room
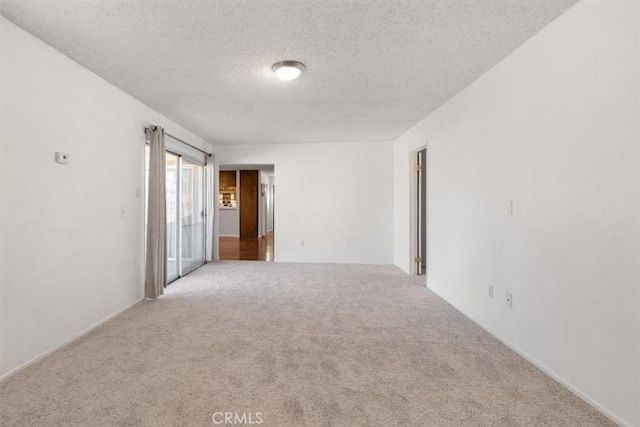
column 447, row 192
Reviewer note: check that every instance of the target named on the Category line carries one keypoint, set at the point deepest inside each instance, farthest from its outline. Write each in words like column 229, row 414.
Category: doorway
column 246, row 207
column 419, row 212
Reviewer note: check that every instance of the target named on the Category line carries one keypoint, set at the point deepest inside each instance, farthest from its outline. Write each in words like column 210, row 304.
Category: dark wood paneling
column 249, row 178
column 227, row 179
column 248, row 203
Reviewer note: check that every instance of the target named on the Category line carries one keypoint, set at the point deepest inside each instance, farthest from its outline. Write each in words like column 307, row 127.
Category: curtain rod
column 184, row 142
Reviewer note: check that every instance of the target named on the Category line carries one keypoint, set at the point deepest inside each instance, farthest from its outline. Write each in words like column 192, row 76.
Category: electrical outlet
column 509, row 300
column 490, row 291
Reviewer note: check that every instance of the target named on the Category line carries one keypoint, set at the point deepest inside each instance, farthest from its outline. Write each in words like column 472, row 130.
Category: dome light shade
column 288, row 70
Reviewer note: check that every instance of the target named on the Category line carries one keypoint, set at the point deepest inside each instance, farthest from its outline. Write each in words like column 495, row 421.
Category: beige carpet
column 303, row 345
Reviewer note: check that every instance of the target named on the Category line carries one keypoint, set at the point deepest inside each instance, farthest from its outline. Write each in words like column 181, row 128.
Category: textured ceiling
column 374, row 67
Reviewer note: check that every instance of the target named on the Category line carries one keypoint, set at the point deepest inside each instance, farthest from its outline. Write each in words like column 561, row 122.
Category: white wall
column 334, row 196
column 229, row 222
column 68, row 258
column 555, row 128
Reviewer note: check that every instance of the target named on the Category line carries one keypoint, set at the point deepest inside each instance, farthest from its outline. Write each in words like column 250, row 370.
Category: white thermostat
column 62, row 158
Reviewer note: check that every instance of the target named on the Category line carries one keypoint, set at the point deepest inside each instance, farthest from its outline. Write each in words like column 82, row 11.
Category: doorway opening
column 418, row 190
column 246, row 206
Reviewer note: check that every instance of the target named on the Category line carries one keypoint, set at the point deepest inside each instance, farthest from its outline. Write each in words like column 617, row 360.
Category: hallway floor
column 247, row 248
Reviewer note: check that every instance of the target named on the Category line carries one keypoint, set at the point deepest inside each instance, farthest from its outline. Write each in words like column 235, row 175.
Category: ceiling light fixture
column 288, row 70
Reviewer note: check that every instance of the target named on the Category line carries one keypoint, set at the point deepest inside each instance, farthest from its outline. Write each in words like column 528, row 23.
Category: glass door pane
column 192, row 215
column 172, row 182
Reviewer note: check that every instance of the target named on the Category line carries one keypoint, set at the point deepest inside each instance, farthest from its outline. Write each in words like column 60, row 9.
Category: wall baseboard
column 77, row 336
column 229, row 235
column 588, row 399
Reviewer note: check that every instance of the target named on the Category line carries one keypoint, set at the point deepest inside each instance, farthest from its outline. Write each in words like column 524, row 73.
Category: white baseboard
column 588, row 399
column 229, row 235
column 66, row 342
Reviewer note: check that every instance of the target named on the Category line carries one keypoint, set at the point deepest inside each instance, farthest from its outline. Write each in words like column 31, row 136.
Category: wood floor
column 247, row 248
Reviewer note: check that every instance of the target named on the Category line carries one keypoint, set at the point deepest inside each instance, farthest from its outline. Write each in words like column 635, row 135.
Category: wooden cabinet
column 228, row 193
column 227, row 179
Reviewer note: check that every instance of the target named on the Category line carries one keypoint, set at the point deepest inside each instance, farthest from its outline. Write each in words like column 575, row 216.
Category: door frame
column 413, row 206
column 219, row 166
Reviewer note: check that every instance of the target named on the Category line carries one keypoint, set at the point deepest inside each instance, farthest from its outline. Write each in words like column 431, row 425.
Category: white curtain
column 156, row 262
column 211, row 200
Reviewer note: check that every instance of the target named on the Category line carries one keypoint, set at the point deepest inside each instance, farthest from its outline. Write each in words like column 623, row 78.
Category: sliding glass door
column 192, row 215
column 171, row 185
column 185, row 195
